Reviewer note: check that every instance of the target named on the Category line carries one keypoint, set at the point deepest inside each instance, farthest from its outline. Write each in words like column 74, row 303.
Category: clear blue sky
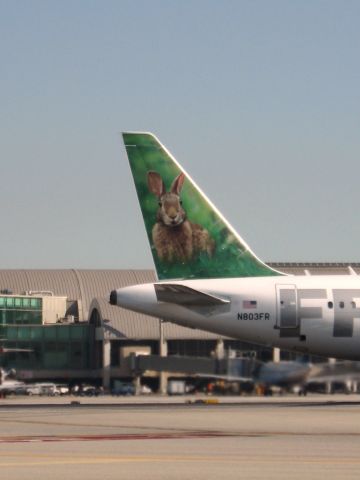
column 259, row 100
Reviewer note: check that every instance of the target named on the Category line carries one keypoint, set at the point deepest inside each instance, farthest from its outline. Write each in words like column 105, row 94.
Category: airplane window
column 330, row 304
column 341, row 304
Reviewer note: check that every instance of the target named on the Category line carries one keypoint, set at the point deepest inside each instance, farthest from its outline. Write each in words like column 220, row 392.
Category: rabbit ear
column 178, row 183
column 155, row 184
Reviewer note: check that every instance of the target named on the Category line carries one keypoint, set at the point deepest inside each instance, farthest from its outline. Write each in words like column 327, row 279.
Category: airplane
column 286, row 374
column 290, row 374
column 209, row 278
column 8, row 382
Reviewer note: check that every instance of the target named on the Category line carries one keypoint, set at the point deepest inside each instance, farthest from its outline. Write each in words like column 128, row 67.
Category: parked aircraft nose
column 113, row 298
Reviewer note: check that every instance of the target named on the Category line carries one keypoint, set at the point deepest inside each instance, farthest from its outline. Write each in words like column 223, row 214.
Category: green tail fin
column 189, row 238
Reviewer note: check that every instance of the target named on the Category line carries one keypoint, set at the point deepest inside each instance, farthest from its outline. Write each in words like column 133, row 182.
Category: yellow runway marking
column 270, row 460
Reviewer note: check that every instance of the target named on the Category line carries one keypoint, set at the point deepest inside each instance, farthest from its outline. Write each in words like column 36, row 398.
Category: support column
column 137, row 384
column 106, row 364
column 276, row 355
column 163, row 351
column 219, row 350
column 328, row 385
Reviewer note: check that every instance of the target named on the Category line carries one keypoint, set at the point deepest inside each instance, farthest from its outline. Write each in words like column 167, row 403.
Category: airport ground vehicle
column 45, row 389
column 122, row 388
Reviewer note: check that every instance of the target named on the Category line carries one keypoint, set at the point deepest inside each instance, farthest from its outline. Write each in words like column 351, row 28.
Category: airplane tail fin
column 189, row 237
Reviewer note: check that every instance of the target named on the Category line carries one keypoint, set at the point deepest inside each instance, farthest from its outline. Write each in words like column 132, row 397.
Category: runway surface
column 316, row 437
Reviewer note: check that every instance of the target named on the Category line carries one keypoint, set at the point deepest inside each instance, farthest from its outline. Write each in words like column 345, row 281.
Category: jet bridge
column 231, row 368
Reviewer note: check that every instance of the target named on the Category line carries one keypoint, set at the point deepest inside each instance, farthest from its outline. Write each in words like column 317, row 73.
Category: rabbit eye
column 160, row 204
column 180, row 202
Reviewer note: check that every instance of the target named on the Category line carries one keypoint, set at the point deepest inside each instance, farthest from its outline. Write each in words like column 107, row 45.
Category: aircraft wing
column 227, row 378
column 9, row 350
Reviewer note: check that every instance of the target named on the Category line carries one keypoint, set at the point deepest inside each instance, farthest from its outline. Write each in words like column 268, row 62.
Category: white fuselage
column 309, row 314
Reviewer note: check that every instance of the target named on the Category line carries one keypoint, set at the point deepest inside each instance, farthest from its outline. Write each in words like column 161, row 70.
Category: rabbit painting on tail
column 174, row 236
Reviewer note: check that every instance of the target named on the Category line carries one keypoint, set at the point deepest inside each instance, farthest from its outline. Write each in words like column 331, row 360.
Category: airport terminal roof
column 91, row 288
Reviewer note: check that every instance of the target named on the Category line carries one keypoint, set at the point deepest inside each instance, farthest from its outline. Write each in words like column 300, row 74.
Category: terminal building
column 58, row 325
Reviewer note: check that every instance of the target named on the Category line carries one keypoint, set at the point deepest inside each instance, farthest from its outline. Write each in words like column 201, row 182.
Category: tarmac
column 180, row 438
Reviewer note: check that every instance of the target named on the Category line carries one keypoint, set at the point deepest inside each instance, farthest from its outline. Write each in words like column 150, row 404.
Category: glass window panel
column 2, row 302
column 11, row 358
column 9, row 317
column 18, row 317
column 50, row 346
column 22, row 358
column 12, row 333
column 56, row 360
column 63, row 332
column 3, row 332
column 85, row 355
column 77, row 332
column 24, row 333
column 26, row 302
column 76, row 355
column 36, row 333
column 62, row 346
column 9, row 302
column 28, row 318
column 49, row 333
column 36, row 355
column 37, row 317
column 35, row 302
column 18, row 302
column 34, row 318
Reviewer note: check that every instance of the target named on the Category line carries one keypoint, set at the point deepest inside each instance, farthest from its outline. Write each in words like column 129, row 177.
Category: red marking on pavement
column 92, row 438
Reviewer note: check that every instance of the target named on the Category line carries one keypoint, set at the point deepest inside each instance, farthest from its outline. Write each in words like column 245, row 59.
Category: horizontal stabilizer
column 182, row 295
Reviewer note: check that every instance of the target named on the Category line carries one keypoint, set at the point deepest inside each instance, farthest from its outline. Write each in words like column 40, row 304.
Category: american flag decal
column 249, row 304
